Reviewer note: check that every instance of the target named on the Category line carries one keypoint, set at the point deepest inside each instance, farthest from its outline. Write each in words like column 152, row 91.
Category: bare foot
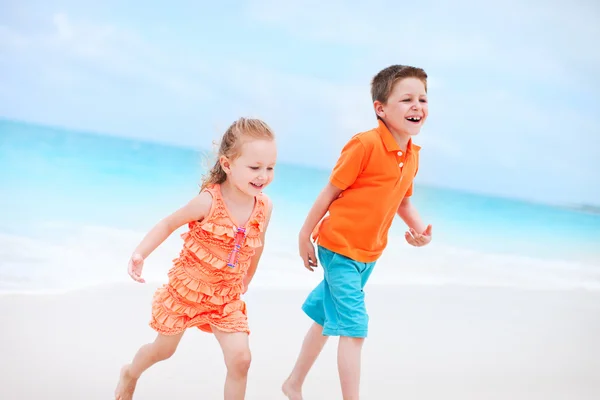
column 126, row 385
column 291, row 392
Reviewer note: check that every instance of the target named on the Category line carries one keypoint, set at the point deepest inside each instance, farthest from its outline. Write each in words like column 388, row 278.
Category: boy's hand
column 307, row 252
column 136, row 263
column 418, row 239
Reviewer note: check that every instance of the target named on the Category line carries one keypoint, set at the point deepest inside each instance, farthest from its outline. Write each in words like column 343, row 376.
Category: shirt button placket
column 401, row 163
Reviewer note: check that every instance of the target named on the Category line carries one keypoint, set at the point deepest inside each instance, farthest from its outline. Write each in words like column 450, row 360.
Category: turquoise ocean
column 73, row 205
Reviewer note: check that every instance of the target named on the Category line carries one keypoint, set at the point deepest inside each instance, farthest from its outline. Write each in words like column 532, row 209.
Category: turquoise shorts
column 338, row 302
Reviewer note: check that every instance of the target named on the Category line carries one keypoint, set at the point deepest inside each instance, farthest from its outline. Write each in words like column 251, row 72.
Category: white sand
column 425, row 343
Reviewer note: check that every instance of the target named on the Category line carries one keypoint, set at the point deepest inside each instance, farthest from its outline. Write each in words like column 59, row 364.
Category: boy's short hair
column 383, row 83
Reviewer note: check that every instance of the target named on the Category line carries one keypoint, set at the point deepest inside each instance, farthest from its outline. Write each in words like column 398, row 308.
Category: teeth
column 414, row 118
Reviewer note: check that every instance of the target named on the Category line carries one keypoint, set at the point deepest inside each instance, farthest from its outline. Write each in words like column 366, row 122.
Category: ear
column 225, row 164
column 378, row 106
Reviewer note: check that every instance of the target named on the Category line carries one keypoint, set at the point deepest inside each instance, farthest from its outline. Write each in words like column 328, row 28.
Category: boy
column 371, row 183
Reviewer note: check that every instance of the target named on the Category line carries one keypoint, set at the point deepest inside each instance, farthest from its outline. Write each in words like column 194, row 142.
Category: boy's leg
column 312, row 345
column 349, row 366
column 236, row 351
column 314, row 341
column 163, row 347
column 313, row 305
column 346, row 316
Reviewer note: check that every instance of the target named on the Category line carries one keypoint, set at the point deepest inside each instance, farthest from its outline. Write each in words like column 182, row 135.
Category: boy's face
column 406, row 109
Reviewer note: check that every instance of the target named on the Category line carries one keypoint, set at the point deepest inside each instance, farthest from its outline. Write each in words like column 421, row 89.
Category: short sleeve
column 349, row 165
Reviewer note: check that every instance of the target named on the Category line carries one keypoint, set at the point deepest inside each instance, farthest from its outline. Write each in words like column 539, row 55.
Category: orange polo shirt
column 374, row 176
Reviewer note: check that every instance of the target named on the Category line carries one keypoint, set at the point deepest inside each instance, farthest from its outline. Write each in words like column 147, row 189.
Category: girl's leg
column 149, row 354
column 311, row 348
column 236, row 351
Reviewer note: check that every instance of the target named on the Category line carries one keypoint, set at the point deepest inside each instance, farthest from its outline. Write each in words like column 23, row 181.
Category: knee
column 352, row 341
column 162, row 353
column 239, row 363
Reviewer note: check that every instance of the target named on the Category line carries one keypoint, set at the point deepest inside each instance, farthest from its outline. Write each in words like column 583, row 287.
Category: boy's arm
column 319, row 208
column 195, row 210
column 418, row 234
column 256, row 258
column 408, row 212
column 316, row 213
column 348, row 167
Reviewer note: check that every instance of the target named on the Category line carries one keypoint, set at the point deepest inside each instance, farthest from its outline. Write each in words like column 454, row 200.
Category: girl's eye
column 254, row 168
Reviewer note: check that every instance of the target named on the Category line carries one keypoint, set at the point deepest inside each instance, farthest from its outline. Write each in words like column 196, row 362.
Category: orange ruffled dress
column 202, row 289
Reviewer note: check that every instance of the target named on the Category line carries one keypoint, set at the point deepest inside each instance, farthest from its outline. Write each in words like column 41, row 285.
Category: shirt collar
column 388, row 139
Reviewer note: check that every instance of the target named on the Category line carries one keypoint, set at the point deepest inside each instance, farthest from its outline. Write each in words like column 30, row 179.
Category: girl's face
column 253, row 170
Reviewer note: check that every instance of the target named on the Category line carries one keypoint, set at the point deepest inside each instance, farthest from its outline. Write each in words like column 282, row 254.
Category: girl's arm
column 195, row 210
column 259, row 251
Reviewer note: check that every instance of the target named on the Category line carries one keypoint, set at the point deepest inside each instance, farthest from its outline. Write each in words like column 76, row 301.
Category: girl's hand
column 418, row 239
column 136, row 263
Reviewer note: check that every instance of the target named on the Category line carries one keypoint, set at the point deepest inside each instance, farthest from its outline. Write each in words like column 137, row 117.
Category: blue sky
column 514, row 86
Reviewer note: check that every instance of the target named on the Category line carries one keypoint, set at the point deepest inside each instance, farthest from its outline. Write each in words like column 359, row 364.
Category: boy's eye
column 254, row 168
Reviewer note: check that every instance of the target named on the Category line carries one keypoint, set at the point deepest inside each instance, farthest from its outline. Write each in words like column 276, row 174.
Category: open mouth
column 257, row 186
column 414, row 120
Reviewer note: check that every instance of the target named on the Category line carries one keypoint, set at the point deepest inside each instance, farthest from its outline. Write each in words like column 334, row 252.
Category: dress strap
column 216, row 206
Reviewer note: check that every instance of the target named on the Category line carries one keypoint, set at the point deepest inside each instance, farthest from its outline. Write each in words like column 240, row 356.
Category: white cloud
column 10, row 39
column 485, row 63
column 303, row 107
column 332, row 21
column 104, row 48
column 291, row 103
column 518, row 46
column 535, row 39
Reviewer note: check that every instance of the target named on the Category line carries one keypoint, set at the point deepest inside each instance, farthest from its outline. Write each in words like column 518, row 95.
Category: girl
column 227, row 222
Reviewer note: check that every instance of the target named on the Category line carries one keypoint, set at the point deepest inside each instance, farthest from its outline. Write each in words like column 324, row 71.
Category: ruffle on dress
column 202, row 289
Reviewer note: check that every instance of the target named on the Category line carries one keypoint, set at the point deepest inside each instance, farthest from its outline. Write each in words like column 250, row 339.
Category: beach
column 115, row 115
column 503, row 304
column 424, row 343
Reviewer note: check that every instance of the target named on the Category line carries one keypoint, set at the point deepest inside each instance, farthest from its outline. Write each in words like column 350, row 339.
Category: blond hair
column 231, row 144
